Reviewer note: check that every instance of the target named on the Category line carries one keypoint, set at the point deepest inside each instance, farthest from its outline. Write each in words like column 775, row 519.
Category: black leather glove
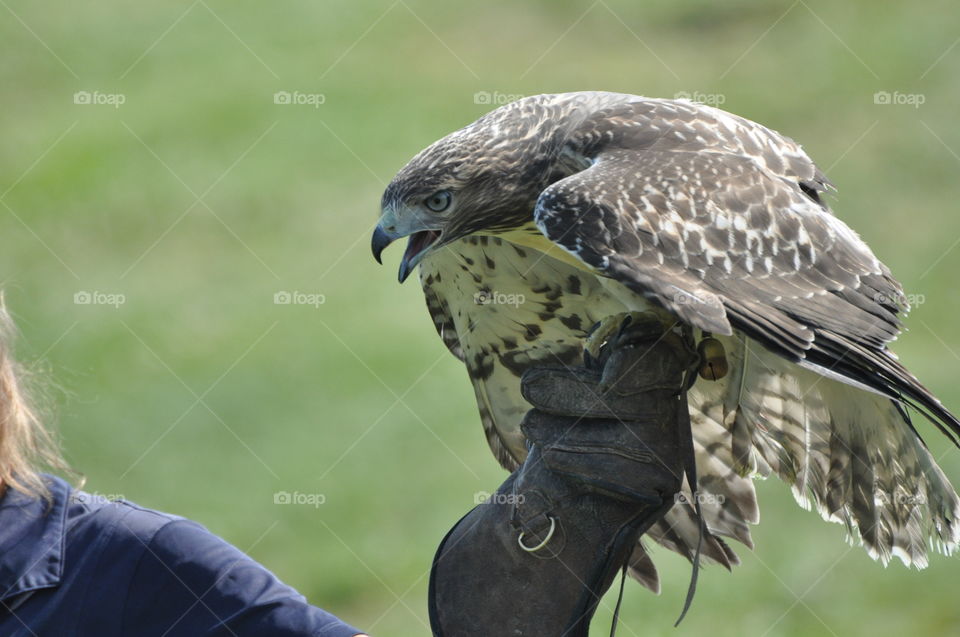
column 606, row 460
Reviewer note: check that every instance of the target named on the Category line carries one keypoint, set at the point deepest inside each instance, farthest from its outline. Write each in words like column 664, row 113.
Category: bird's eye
column 439, row 201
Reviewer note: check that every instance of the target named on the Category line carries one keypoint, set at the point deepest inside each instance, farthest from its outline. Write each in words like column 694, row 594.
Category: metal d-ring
column 546, row 540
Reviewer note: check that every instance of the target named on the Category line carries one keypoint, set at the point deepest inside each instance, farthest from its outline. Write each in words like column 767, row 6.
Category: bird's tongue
column 419, row 241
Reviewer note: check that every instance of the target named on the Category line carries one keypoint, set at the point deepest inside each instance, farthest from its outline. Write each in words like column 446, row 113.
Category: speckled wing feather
column 720, row 221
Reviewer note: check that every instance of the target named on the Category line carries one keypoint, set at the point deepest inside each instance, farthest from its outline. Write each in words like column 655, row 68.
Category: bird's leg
column 713, row 358
column 606, row 329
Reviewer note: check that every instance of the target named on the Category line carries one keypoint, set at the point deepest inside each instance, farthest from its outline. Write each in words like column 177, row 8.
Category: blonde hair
column 27, row 447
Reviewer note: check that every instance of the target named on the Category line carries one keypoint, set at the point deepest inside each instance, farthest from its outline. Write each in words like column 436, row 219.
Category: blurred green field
column 199, row 198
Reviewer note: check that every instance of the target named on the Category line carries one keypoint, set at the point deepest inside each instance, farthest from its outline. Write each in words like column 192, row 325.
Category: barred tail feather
column 852, row 454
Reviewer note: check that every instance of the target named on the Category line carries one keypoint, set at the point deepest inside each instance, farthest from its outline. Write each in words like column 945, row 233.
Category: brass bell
column 713, row 359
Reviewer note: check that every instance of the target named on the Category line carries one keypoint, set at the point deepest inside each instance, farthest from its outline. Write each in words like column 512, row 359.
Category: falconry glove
column 608, row 444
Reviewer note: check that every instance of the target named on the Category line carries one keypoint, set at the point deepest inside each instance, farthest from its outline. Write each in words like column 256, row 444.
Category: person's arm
column 191, row 582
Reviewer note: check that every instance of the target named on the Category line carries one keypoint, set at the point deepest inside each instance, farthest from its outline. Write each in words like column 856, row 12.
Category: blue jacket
column 88, row 566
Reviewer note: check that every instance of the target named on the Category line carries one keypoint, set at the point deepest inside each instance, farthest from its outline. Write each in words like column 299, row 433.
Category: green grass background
column 202, row 397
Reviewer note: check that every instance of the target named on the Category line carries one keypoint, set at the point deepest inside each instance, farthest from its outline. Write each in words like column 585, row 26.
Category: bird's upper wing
column 720, row 221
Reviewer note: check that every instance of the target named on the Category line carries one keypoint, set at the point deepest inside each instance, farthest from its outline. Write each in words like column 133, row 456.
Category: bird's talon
column 602, row 332
column 594, row 328
column 616, row 328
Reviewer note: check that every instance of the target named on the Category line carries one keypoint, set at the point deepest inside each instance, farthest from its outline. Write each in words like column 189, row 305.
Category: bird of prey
column 557, row 212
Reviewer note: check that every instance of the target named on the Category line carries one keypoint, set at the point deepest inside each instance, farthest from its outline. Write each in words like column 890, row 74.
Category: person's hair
column 27, row 447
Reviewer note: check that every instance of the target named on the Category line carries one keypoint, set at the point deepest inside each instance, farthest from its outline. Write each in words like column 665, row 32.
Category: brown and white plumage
column 558, row 211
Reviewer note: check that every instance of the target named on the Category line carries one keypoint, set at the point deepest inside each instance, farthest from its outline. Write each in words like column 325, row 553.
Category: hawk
column 555, row 213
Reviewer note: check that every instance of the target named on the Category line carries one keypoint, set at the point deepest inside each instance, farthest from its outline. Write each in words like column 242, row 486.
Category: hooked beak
column 379, row 243
column 417, row 245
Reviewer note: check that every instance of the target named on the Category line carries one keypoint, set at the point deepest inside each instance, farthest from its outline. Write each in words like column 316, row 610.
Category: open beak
column 417, row 245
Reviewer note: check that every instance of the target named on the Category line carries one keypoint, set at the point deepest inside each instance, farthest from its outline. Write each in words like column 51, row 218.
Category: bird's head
column 484, row 179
